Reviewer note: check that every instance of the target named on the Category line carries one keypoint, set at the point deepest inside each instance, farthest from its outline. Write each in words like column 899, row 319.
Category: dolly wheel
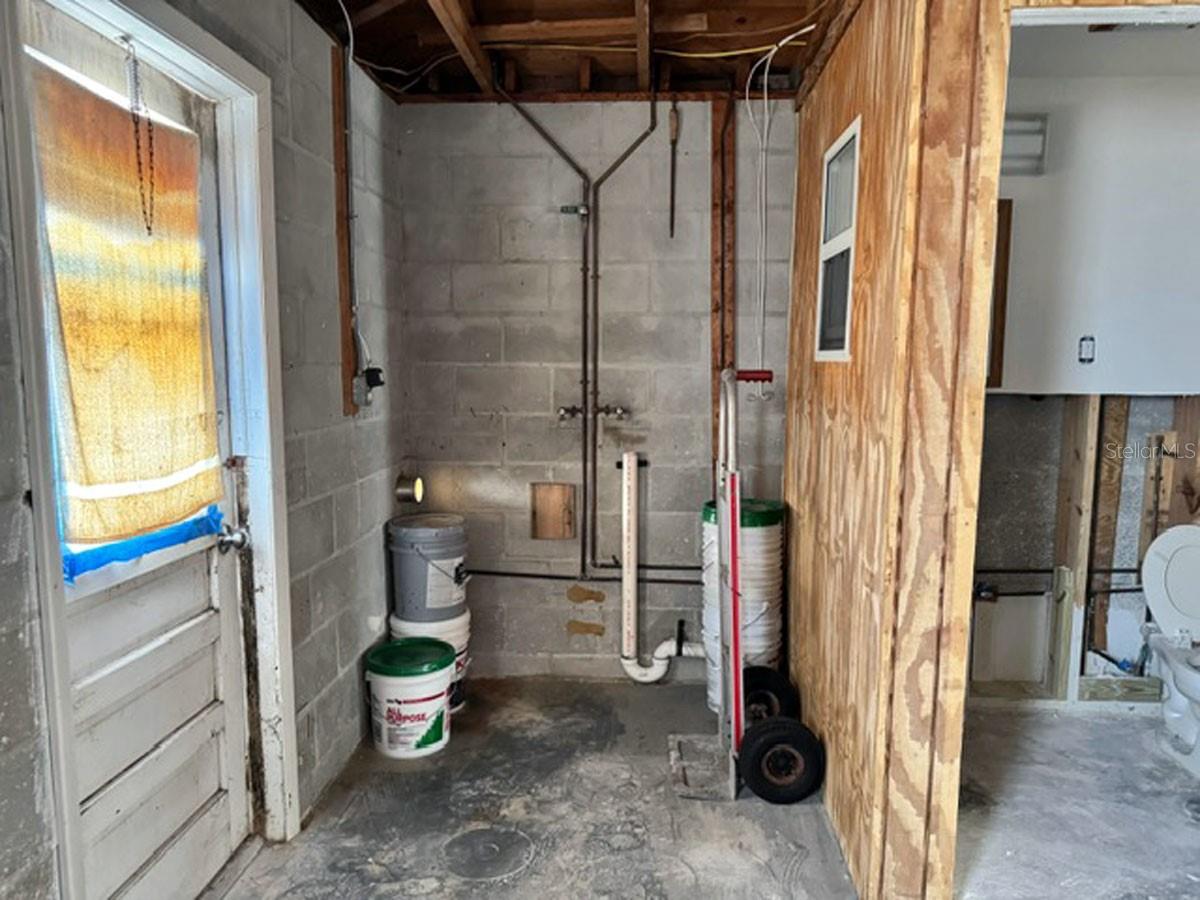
column 781, row 760
column 768, row 693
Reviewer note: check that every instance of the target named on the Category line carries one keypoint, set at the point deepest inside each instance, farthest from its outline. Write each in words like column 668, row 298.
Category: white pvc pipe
column 660, row 661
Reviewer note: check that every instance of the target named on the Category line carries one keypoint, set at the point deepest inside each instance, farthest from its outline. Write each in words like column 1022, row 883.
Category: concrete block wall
column 491, row 344
column 27, row 842
column 339, row 470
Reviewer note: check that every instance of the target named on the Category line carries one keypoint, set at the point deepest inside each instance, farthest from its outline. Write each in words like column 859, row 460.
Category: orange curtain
column 131, row 360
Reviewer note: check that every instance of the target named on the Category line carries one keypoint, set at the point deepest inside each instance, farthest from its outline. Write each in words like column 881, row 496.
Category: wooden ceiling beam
column 578, row 29
column 373, row 11
column 456, row 22
column 642, row 11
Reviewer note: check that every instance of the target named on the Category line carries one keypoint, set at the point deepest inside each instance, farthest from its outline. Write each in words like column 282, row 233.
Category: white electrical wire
column 362, row 350
column 763, row 135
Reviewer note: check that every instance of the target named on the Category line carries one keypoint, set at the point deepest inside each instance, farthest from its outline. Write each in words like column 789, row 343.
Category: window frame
column 839, row 243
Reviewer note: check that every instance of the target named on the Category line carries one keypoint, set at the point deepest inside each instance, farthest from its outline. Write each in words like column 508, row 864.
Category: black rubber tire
column 768, row 694
column 781, row 760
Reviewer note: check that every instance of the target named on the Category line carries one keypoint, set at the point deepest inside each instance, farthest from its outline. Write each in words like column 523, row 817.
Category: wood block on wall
column 553, row 507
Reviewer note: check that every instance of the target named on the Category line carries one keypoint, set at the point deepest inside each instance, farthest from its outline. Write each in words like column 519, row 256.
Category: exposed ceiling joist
column 373, row 11
column 829, row 40
column 580, row 29
column 456, row 22
column 642, row 11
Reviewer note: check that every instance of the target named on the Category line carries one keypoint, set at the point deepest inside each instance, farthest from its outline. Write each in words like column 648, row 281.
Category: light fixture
column 410, row 489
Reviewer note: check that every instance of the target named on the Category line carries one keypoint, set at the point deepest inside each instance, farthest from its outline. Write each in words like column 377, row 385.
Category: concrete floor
column 554, row 788
column 550, row 789
column 1066, row 805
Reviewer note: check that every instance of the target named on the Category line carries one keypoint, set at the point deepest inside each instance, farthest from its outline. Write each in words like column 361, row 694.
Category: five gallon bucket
column 429, row 579
column 761, row 574
column 457, row 633
column 409, row 682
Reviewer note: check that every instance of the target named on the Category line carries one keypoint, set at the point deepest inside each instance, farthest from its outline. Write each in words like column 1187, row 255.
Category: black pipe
column 1104, row 592
column 552, row 576
column 616, row 564
column 592, row 512
column 1119, row 571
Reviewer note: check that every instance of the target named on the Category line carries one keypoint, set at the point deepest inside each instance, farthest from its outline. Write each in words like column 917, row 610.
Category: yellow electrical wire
column 786, row 26
column 718, row 54
column 607, row 48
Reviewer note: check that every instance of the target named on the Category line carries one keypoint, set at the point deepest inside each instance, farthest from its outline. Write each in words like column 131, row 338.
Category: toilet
column 1171, row 581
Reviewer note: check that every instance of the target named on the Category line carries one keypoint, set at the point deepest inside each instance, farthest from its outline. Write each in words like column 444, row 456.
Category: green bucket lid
column 410, row 656
column 755, row 513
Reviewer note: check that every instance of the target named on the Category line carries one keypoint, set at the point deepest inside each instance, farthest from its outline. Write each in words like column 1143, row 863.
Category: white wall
column 1105, row 242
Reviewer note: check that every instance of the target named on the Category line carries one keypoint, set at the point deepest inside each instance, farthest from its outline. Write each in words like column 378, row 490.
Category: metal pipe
column 558, row 576
column 586, row 181
column 1118, row 571
column 592, row 511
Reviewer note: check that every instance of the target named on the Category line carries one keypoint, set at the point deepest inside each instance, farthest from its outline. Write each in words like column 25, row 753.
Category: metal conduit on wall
column 590, row 409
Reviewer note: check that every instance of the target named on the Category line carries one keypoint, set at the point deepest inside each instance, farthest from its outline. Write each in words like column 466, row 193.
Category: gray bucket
column 429, row 555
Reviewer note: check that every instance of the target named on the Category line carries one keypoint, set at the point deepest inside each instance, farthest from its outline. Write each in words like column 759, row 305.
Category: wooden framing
column 1184, row 506
column 1072, row 540
column 1004, row 211
column 643, row 39
column 883, row 451
column 455, row 19
column 590, row 29
column 342, row 229
column 723, row 230
column 1114, row 427
column 370, row 13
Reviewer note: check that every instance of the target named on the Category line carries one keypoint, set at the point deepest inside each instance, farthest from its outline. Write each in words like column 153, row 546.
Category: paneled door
column 146, row 485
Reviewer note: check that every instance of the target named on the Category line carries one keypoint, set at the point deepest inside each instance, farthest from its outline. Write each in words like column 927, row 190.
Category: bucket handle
column 459, row 576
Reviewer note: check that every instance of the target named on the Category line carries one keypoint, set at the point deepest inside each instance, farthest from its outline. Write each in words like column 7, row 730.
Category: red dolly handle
column 765, row 375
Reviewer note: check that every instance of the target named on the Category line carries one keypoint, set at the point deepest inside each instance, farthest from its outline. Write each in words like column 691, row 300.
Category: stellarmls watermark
column 1140, row 450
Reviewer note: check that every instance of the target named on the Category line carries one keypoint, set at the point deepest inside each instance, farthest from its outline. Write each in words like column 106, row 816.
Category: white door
column 155, row 642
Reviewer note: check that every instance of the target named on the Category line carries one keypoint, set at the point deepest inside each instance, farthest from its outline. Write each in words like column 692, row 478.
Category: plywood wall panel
column 845, row 440
column 883, row 452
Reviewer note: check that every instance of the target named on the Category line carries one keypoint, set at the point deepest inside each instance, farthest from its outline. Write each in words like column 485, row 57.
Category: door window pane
column 134, row 396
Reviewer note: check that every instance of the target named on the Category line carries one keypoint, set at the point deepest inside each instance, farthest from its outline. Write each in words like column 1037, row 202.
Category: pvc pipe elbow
column 660, row 661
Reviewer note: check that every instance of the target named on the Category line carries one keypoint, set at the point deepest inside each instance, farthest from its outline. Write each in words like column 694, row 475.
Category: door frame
column 168, row 40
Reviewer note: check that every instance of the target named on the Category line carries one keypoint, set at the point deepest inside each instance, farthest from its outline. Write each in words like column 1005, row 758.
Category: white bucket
column 410, row 714
column 761, row 575
column 457, row 633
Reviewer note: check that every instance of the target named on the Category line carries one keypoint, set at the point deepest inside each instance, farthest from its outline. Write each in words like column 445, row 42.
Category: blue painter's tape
column 77, row 562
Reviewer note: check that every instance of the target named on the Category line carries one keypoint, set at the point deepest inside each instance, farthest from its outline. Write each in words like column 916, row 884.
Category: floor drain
column 1192, row 805
column 487, row 853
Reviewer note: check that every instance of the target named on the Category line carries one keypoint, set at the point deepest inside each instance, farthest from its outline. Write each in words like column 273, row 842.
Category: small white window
column 839, row 206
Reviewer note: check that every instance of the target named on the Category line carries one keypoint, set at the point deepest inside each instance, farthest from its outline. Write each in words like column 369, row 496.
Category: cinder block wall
column 491, row 349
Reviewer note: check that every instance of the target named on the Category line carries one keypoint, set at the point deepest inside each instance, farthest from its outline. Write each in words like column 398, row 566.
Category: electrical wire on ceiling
column 622, row 48
column 763, row 135
column 773, row 29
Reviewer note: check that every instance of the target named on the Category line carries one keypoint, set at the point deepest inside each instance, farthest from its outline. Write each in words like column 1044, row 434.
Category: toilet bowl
column 1171, row 581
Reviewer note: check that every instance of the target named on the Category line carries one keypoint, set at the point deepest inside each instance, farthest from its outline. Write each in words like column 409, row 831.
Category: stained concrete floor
column 550, row 789
column 1068, row 805
column 555, row 789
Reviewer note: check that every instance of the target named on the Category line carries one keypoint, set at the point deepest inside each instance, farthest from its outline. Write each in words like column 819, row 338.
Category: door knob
column 233, row 539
